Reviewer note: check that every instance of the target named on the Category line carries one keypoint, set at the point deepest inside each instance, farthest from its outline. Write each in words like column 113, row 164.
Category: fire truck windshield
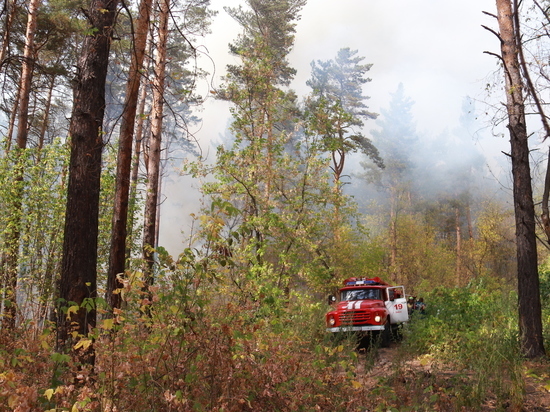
column 362, row 294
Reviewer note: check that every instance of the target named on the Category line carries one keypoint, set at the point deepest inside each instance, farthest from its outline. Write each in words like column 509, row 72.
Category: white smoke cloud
column 435, row 48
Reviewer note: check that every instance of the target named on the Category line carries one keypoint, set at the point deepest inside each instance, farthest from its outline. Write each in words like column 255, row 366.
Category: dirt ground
column 386, row 360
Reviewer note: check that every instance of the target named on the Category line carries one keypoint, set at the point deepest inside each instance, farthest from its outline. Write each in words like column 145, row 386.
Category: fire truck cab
column 368, row 306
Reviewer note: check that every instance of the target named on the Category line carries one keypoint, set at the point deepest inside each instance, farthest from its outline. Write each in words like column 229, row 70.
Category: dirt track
column 384, row 362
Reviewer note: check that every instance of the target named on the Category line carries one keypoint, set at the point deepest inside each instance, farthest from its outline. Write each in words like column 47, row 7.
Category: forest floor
column 398, row 370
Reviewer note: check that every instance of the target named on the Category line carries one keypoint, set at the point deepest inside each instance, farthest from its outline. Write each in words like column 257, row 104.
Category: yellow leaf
column 48, row 394
column 108, row 324
column 45, row 345
column 72, row 309
column 74, row 408
column 83, row 343
column 12, row 400
column 356, row 384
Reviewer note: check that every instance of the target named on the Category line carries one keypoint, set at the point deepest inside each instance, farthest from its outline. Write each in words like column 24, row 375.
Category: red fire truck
column 368, row 307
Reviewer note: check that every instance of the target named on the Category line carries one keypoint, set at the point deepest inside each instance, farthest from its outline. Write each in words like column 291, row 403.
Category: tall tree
column 255, row 85
column 12, row 242
column 9, row 12
column 337, row 108
column 78, row 283
column 530, row 318
column 155, row 141
column 260, row 106
column 117, row 256
column 269, row 200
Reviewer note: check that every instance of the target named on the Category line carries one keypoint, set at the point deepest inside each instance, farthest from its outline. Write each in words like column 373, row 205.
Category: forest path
column 413, row 379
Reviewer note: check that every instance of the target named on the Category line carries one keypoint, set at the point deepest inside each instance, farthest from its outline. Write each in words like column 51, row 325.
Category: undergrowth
column 465, row 351
column 190, row 345
column 182, row 347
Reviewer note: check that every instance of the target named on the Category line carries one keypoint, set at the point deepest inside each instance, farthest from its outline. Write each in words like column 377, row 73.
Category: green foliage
column 544, row 277
column 472, row 331
column 337, row 107
column 271, row 217
column 40, row 227
column 196, row 349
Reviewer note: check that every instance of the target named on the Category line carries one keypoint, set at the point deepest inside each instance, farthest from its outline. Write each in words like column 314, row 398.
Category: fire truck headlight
column 377, row 318
column 331, row 321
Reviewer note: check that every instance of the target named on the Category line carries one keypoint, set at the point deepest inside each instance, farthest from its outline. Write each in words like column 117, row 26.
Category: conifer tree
column 337, row 108
column 78, row 283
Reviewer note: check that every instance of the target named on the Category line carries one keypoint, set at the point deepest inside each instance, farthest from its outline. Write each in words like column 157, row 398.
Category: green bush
column 473, row 331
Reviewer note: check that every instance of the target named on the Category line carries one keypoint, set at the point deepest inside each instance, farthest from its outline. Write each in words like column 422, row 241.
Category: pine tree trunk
column 393, row 237
column 26, row 76
column 12, row 241
column 155, row 142
column 11, row 8
column 117, row 256
column 78, row 270
column 530, row 322
column 46, row 117
column 458, row 268
column 135, row 170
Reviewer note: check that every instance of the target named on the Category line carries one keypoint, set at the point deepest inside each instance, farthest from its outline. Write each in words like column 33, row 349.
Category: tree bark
column 78, row 268
column 26, row 76
column 545, row 215
column 135, row 169
column 12, row 241
column 529, row 306
column 393, row 237
column 46, row 117
column 117, row 257
column 155, row 141
column 458, row 268
column 11, row 7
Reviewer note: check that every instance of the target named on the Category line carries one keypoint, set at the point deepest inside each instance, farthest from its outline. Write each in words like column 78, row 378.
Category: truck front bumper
column 355, row 328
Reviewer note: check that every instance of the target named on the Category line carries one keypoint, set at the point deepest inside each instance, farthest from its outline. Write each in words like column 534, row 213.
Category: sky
column 434, row 47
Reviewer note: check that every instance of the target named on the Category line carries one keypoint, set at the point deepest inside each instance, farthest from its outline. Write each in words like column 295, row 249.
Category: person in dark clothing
column 411, row 302
column 420, row 306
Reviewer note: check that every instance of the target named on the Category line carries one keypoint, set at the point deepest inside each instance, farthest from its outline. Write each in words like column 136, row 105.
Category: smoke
column 435, row 48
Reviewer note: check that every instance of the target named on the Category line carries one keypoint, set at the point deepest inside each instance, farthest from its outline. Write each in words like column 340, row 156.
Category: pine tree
column 78, row 283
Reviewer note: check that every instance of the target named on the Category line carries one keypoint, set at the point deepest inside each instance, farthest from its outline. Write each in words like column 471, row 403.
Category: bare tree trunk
column 135, row 168
column 530, row 322
column 11, row 8
column 12, row 241
column 26, row 76
column 46, row 117
column 11, row 123
column 117, row 256
column 458, row 269
column 78, row 269
column 469, row 219
column 155, row 142
column 393, row 237
column 157, row 215
column 545, row 216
